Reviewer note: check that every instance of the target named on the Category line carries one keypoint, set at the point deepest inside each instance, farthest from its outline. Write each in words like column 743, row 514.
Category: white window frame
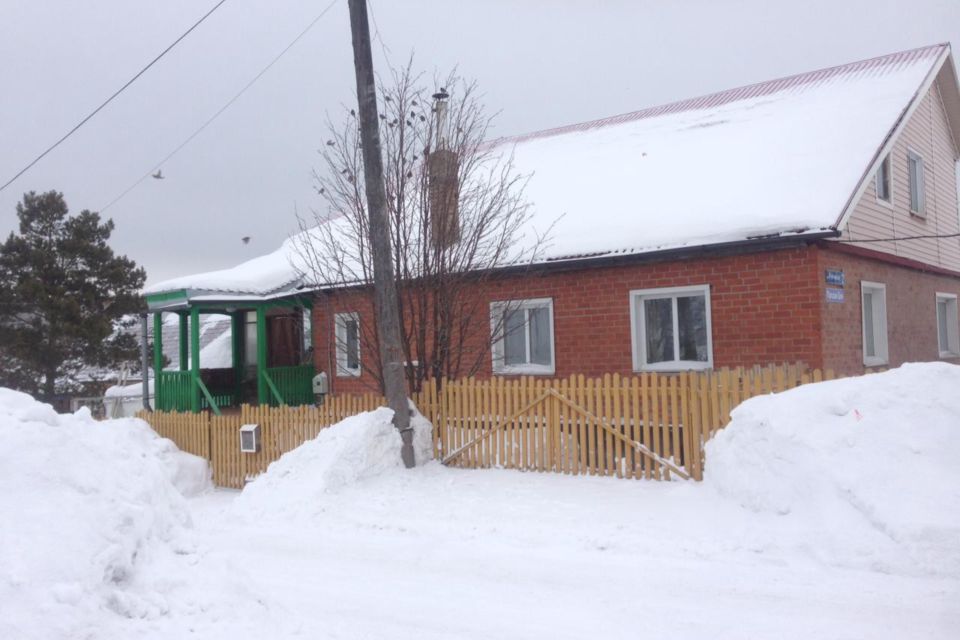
column 952, row 348
column 497, row 309
column 638, row 329
column 340, row 333
column 881, row 347
column 921, row 210
column 886, row 162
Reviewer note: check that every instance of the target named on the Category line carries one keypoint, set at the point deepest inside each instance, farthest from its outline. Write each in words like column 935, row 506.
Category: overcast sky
column 540, row 63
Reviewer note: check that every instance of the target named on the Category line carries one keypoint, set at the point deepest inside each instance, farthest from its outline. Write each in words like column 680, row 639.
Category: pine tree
column 63, row 295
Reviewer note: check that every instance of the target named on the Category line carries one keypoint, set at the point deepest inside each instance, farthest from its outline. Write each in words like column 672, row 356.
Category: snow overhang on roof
column 778, row 159
column 275, row 275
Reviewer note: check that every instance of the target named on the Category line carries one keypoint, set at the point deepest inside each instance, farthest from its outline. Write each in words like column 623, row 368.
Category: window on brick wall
column 347, row 330
column 671, row 328
column 523, row 336
column 883, row 181
column 915, row 177
column 874, row 308
column 947, row 325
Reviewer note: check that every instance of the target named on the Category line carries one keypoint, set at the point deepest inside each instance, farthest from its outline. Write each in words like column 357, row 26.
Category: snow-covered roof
column 276, row 273
column 777, row 158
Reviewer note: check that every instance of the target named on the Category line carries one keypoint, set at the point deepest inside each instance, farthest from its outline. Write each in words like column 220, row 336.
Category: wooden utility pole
column 384, row 283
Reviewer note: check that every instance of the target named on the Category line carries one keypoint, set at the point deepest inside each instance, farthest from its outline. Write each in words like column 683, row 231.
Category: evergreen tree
column 63, row 295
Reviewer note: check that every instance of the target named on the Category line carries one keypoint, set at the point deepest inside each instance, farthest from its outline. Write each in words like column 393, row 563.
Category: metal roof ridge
column 732, row 94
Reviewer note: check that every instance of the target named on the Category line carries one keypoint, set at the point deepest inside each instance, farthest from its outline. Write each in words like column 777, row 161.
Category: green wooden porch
column 250, row 379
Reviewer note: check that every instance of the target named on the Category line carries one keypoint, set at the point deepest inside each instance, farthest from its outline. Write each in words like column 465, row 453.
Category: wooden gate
column 650, row 425
column 627, row 427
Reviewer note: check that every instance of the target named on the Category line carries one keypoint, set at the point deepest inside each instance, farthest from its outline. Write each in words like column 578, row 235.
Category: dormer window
column 915, row 175
column 883, row 180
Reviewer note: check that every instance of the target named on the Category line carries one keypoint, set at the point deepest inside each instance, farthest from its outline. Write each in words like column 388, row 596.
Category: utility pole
column 384, row 283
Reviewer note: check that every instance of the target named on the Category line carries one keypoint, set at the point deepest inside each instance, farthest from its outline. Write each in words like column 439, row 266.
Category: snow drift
column 867, row 467
column 85, row 505
column 360, row 447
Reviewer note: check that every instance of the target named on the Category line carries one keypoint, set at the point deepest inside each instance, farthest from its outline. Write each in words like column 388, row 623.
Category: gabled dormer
column 907, row 204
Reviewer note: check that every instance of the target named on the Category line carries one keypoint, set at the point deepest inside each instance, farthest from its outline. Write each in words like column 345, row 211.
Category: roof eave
column 733, row 247
column 182, row 299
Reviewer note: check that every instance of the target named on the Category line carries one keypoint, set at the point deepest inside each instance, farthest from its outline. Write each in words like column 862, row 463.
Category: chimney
column 443, row 167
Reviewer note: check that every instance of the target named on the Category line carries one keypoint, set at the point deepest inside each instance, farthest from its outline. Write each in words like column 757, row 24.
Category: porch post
column 184, row 346
column 262, row 393
column 159, row 401
column 195, row 359
column 237, row 327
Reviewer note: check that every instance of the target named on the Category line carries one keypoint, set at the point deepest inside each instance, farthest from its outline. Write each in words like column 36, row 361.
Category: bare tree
column 457, row 215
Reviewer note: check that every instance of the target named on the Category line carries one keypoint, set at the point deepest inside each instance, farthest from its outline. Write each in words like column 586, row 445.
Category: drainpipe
column 145, row 363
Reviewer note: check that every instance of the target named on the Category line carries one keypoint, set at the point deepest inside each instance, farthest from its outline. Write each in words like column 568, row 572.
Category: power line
column 219, row 111
column 110, row 99
column 927, row 237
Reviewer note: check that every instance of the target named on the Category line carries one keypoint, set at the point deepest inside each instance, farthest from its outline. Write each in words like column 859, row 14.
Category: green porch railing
column 295, row 384
column 220, row 399
column 173, row 391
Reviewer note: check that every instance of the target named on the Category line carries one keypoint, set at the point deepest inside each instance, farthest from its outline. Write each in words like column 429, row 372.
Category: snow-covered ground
column 831, row 511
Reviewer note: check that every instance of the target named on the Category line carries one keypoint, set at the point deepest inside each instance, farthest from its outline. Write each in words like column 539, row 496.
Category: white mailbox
column 250, row 438
column 320, row 384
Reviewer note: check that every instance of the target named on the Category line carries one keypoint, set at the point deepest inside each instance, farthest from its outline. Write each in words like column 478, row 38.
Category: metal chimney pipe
column 440, row 104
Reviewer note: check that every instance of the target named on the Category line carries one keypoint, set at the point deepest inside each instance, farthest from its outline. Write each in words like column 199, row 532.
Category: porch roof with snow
column 785, row 158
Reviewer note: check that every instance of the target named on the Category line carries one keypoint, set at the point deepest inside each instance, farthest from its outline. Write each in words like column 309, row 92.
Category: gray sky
column 541, row 63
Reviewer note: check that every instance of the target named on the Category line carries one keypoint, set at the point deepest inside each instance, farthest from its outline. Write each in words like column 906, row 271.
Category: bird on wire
column 158, row 175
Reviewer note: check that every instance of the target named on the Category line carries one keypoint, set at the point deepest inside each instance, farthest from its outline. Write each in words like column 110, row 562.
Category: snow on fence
column 649, row 425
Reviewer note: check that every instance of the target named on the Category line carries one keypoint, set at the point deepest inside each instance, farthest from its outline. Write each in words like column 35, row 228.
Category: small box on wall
column 250, row 438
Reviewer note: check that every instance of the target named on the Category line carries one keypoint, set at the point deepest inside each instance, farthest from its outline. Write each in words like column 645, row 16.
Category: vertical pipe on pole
column 145, row 363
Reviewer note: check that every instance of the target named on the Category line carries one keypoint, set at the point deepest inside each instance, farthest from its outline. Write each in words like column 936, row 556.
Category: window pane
column 515, row 337
column 352, row 343
column 883, row 180
column 869, row 343
column 658, row 322
column 307, row 324
column 692, row 327
column 942, row 325
column 539, row 335
column 916, row 184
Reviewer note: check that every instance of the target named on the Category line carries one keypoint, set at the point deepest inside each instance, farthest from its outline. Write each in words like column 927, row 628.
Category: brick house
column 811, row 218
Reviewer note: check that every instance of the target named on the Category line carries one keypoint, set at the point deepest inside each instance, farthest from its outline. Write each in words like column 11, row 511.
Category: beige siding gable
column 928, row 134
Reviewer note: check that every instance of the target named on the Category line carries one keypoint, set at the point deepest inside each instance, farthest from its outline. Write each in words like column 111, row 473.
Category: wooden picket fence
column 217, row 438
column 650, row 425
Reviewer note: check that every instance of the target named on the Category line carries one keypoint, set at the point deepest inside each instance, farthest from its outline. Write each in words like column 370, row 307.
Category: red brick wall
column 765, row 308
column 911, row 309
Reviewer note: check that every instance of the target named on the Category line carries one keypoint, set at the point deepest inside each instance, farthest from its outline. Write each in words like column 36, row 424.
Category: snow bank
column 360, row 447
column 84, row 506
column 869, row 467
